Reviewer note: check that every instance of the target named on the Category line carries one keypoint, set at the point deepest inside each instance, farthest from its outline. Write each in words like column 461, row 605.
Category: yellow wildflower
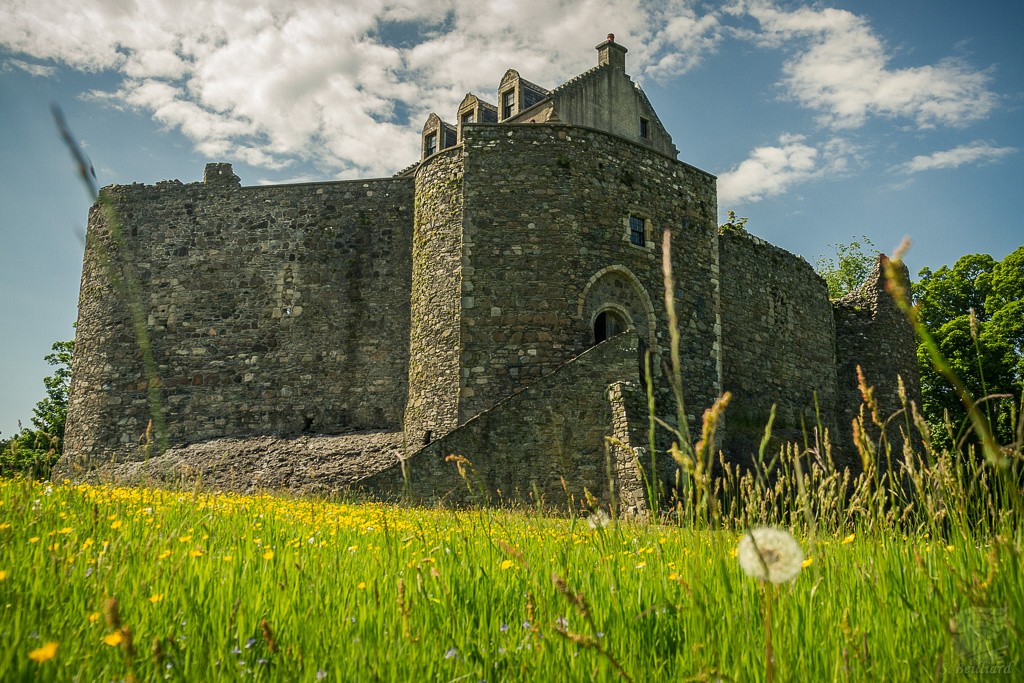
column 807, row 563
column 156, row 597
column 195, row 553
column 507, row 564
column 164, row 555
column 361, row 586
column 848, row 539
column 113, row 639
column 184, row 539
column 269, row 555
column 94, row 617
column 34, row 539
column 227, row 558
column 66, row 530
column 673, row 576
column 949, row 548
column 3, row 574
column 5, row 525
column 641, row 565
column 44, row 653
column 116, row 524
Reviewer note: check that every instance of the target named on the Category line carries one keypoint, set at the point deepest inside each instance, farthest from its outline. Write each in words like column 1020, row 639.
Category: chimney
column 610, row 52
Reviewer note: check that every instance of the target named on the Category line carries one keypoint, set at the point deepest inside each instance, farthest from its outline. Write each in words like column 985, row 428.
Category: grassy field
column 102, row 583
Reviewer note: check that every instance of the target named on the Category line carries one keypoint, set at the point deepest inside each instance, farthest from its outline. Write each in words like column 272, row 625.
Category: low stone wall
column 300, row 465
column 549, row 437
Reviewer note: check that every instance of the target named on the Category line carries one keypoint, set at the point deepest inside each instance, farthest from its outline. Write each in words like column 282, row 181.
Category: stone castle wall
column 270, row 310
column 779, row 343
column 437, row 299
column 546, row 231
column 548, row 438
column 872, row 332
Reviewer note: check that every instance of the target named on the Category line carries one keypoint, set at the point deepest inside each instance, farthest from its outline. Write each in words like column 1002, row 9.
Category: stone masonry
column 493, row 301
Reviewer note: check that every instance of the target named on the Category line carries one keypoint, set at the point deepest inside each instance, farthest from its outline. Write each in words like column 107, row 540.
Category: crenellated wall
column 277, row 310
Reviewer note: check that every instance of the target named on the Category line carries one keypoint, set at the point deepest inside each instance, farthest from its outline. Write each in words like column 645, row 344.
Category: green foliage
column 33, row 451
column 734, row 224
column 975, row 312
column 850, row 267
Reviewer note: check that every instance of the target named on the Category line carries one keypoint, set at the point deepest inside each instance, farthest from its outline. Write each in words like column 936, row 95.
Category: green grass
column 195, row 575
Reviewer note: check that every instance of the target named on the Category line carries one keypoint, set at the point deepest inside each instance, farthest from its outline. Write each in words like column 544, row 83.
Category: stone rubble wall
column 554, row 430
column 778, row 344
column 438, row 296
column 872, row 332
column 546, row 247
column 271, row 310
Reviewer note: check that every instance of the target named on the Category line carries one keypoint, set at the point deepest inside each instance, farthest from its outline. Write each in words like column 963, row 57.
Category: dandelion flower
column 3, row 574
column 807, row 563
column 507, row 564
column 773, row 550
column 361, row 586
column 848, row 539
column 269, row 555
column 44, row 653
column 164, row 555
column 113, row 639
column 598, row 520
column 156, row 597
column 94, row 617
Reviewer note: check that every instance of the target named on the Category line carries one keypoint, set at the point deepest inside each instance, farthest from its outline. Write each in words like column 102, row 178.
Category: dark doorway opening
column 607, row 325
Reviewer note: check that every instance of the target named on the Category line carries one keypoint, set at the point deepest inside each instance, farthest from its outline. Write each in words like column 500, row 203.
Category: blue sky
column 824, row 122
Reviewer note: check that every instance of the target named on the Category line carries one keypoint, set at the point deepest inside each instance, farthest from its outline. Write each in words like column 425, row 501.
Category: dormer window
column 467, row 118
column 430, row 145
column 645, row 126
column 508, row 103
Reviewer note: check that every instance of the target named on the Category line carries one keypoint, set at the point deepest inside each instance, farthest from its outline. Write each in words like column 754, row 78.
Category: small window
column 644, row 128
column 637, row 231
column 508, row 103
column 467, row 118
column 430, row 147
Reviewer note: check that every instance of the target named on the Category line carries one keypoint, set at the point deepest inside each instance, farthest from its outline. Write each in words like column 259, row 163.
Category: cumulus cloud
column 773, row 169
column 974, row 153
column 842, row 69
column 345, row 84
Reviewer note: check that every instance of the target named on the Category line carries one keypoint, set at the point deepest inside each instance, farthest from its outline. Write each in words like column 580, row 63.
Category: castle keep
column 494, row 301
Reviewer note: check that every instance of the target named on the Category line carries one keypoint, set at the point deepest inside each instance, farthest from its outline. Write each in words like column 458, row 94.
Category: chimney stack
column 610, row 52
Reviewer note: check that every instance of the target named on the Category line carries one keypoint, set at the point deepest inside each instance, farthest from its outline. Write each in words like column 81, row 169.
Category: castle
column 495, row 300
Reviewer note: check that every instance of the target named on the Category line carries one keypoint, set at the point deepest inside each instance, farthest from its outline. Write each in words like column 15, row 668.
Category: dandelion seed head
column 772, row 549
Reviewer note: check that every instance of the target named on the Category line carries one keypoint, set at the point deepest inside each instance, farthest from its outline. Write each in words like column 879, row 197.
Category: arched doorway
column 607, row 324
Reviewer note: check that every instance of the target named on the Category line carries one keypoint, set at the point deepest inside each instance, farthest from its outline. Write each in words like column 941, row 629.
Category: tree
column 975, row 313
column 850, row 267
column 34, row 451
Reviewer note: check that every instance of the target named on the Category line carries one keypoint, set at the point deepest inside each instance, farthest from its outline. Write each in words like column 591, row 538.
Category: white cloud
column 345, row 84
column 841, row 68
column 29, row 68
column 976, row 152
column 773, row 169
